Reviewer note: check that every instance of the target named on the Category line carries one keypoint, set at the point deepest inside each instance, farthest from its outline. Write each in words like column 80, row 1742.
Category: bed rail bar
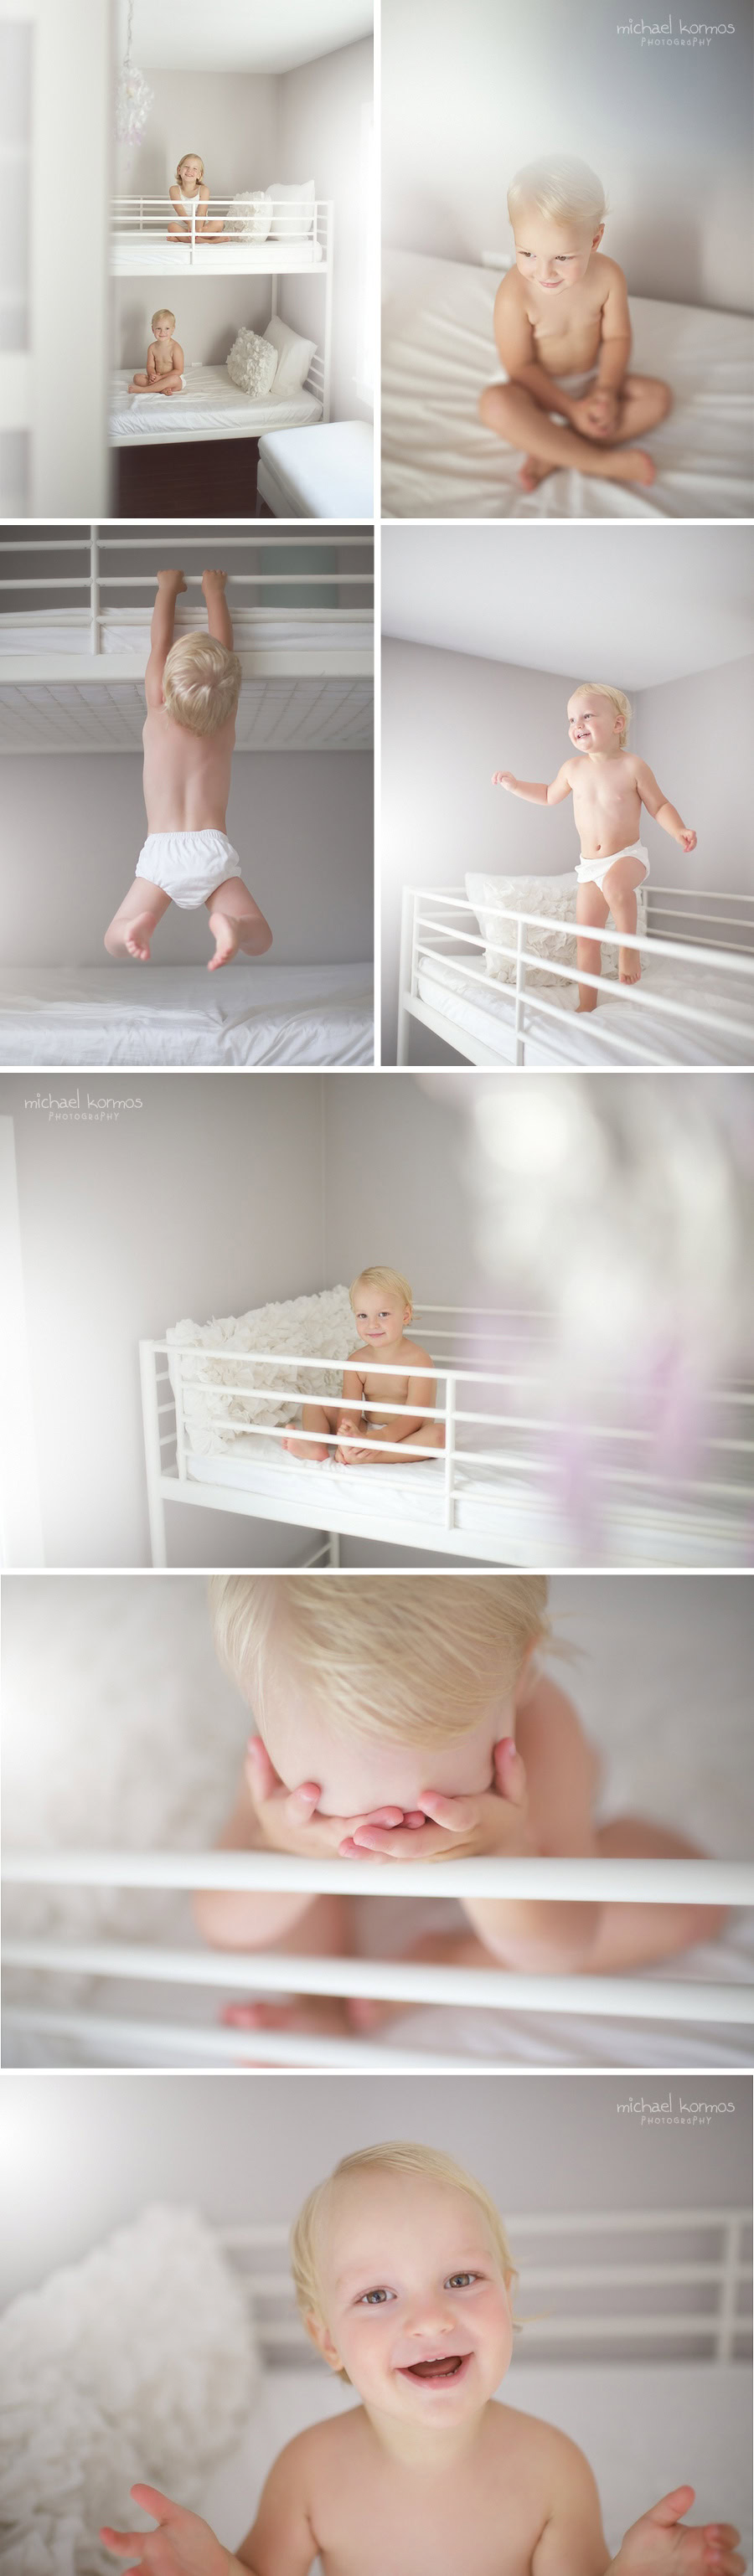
column 633, row 1882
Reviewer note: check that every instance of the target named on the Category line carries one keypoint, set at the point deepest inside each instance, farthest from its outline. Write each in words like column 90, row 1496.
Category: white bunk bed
column 72, row 680
column 693, row 1006
column 210, row 406
column 493, row 1493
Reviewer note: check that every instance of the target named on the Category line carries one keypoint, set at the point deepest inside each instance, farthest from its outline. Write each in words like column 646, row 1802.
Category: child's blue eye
column 462, row 2280
column 373, row 2298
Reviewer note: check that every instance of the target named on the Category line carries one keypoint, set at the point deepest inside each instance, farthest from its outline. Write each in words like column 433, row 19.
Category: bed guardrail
column 424, row 936
column 306, row 225
column 94, row 589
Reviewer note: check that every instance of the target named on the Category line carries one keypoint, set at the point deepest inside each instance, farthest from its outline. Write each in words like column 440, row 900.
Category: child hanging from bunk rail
column 192, row 697
column 382, row 1305
column 191, row 197
column 609, row 785
column 165, row 359
column 411, row 1718
column 406, row 2286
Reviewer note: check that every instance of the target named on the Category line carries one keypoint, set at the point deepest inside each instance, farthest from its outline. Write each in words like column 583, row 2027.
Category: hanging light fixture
column 134, row 98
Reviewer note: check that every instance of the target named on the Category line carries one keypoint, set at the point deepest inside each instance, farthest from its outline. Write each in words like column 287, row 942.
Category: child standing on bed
column 561, row 313
column 405, row 2284
column 165, row 359
column 192, row 696
column 413, row 1720
column 382, row 1305
column 191, row 197
column 609, row 785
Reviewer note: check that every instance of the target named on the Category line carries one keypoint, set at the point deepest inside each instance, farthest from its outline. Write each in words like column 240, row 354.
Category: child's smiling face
column 189, row 175
column 593, row 723
column 553, row 254
column 415, row 2299
column 163, row 330
column 381, row 1319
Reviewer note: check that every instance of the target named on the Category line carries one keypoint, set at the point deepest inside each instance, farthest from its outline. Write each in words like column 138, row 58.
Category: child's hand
column 503, row 778
column 171, row 580
column 216, row 580
column 592, row 414
column 289, row 1818
column 656, row 2545
column 494, row 1823
column 687, row 840
column 182, row 2545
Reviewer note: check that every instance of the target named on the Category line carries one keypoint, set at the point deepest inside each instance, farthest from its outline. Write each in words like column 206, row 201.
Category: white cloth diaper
column 188, row 866
column 593, row 871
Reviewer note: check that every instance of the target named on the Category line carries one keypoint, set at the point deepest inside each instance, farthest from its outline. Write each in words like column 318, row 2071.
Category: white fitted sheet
column 209, row 407
column 68, row 630
column 489, row 1015
column 146, row 254
column 521, row 1522
column 327, row 477
column 439, row 462
column 181, row 1015
column 686, row 2419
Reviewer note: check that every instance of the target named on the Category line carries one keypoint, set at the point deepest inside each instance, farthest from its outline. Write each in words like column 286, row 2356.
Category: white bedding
column 439, row 462
column 327, row 477
column 209, row 407
column 274, row 630
column 489, row 1016
column 643, row 2428
column 142, row 254
column 181, row 1015
column 506, row 1517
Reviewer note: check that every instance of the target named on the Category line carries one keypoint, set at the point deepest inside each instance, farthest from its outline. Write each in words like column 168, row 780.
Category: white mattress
column 274, row 714
column 181, row 1015
column 439, row 462
column 127, row 631
column 209, row 407
column 144, row 254
column 327, row 477
column 510, row 1519
column 643, row 2427
column 489, row 1016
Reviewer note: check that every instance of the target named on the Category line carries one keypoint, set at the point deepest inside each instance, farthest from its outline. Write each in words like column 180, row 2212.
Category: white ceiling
column 239, row 35
column 644, row 603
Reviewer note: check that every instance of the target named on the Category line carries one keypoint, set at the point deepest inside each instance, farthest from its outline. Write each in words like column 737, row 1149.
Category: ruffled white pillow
column 252, row 363
column 553, row 895
column 318, row 1327
column 250, row 216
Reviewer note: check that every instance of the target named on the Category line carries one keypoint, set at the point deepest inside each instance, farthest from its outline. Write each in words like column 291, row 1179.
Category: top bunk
column 257, row 233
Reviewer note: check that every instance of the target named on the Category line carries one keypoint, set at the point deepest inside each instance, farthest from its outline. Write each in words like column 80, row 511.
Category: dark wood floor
column 189, row 479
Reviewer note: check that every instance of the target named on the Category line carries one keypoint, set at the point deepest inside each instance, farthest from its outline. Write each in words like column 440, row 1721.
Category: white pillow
column 252, row 363
column 300, row 221
column 249, row 216
column 294, row 356
column 319, row 1327
column 554, row 895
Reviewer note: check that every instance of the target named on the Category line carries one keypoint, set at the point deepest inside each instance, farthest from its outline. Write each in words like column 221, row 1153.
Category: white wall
column 323, row 108
column 396, row 1185
column 249, row 2150
column 230, row 118
column 473, row 92
column 302, row 824
column 684, row 724
column 204, row 1198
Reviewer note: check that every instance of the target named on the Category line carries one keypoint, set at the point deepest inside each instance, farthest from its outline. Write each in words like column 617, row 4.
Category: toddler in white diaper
column 609, row 785
column 192, row 696
column 165, row 361
column 382, row 1305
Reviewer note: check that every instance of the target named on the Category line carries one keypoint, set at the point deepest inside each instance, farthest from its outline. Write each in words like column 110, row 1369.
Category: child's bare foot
column 588, row 1002
column 134, row 937
column 305, row 1448
column 629, row 966
column 532, row 472
column 627, row 465
column 232, row 938
column 320, row 2013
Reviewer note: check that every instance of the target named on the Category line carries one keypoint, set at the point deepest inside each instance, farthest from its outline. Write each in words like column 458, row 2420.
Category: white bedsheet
column 512, row 1520
column 439, row 462
column 142, row 254
column 209, row 407
column 489, row 1015
column 181, row 1015
column 273, row 630
column 327, row 477
column 643, row 2427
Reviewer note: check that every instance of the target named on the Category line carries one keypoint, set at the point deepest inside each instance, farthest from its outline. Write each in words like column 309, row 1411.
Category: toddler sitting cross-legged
column 192, row 697
column 410, row 1718
column 165, row 360
column 405, row 2284
column 401, row 1375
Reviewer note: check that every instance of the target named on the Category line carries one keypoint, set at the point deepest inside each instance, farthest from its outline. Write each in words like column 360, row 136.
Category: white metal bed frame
column 649, row 1504
column 97, row 589
column 424, row 936
column 145, row 219
column 261, row 1971
column 713, row 2319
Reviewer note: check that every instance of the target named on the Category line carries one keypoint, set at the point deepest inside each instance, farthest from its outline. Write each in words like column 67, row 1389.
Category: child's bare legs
column 140, row 383
column 517, row 417
column 620, row 886
column 590, row 907
column 323, row 1930
column 132, row 926
column 430, row 1436
column 314, row 1417
column 237, row 923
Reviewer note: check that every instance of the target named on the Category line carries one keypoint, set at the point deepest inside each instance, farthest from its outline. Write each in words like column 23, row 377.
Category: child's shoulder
column 307, row 2450
column 413, row 1351
column 541, row 2442
column 608, row 271
column 510, row 290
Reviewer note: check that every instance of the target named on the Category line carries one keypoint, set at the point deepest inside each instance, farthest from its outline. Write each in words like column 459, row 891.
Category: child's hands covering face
column 493, row 1822
column 657, row 2546
column 289, row 1819
column 182, row 2545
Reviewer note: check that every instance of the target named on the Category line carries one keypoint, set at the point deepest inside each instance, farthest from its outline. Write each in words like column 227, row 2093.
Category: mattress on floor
column 144, row 254
column 327, row 477
column 209, row 407
column 274, row 630
column 438, row 353
column 643, row 2426
column 489, row 1016
column 182, row 1015
column 499, row 1507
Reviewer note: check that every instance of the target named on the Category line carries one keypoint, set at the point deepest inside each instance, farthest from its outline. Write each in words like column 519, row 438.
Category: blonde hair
column 188, row 156
column 617, row 697
column 410, row 1660
column 201, row 682
column 164, row 315
column 380, row 1277
column 558, row 188
column 396, row 2156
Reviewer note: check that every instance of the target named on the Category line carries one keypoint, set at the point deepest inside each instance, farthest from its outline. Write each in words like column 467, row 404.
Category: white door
column 56, row 117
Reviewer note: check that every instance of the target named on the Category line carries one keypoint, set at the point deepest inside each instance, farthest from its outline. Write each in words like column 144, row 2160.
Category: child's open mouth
column 437, row 2372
